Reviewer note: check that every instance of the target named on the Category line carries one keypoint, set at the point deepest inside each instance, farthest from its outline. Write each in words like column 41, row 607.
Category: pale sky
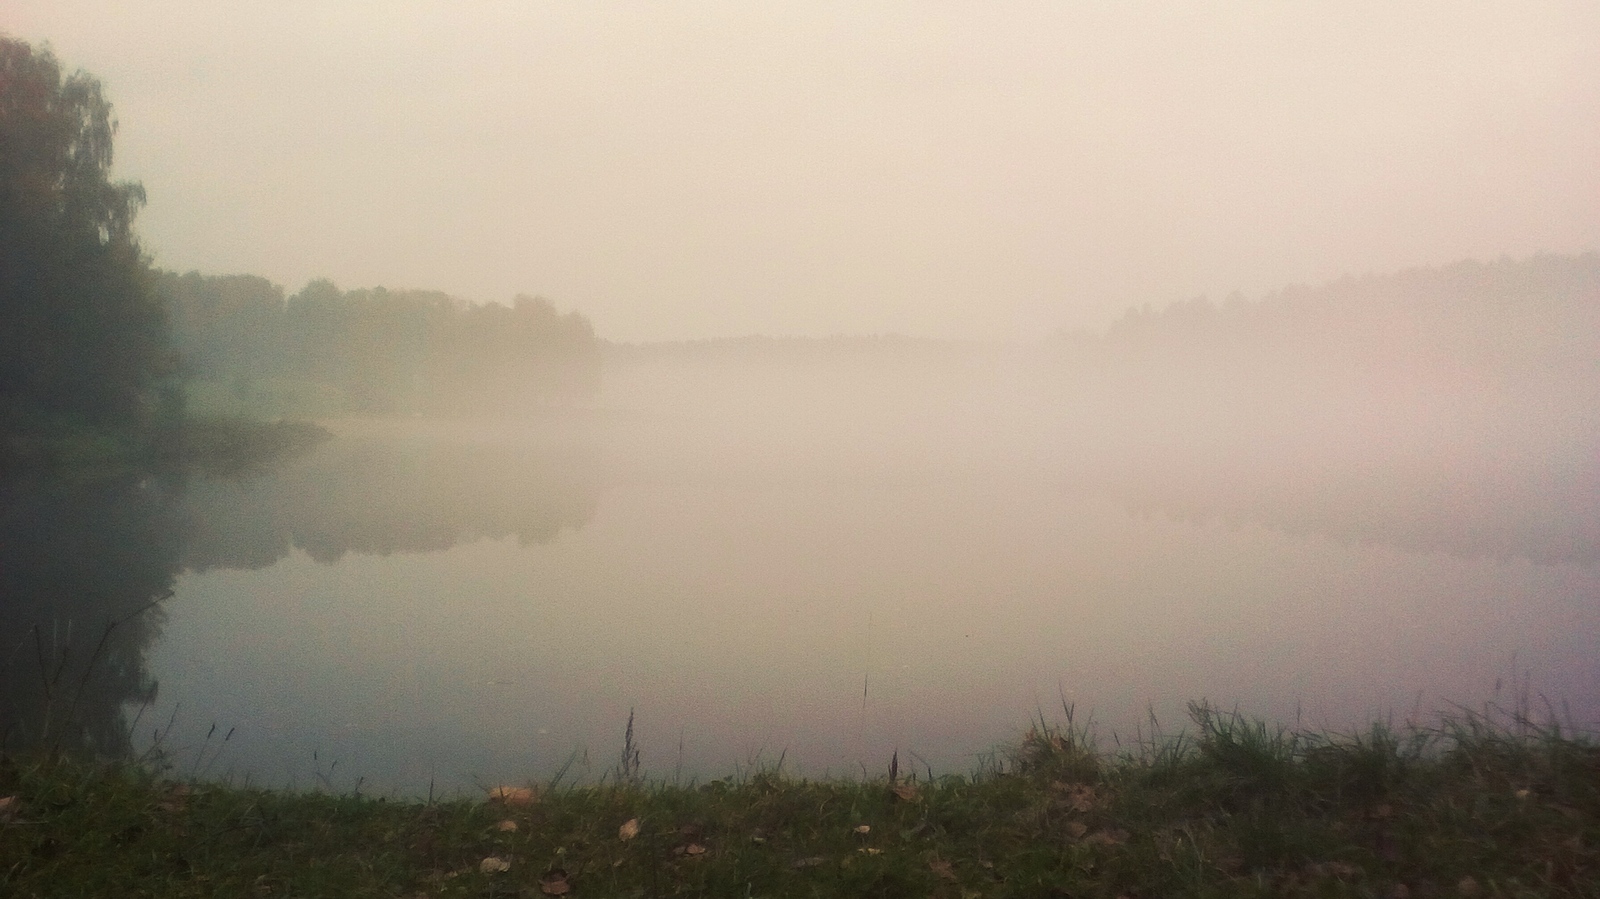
column 695, row 169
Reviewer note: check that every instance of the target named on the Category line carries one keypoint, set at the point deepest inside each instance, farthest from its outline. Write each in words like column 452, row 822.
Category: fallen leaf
column 868, row 850
column 176, row 800
column 628, row 830
column 1400, row 891
column 863, row 828
column 1523, row 794
column 1467, row 886
column 906, row 791
column 942, row 868
column 811, row 862
column 514, row 795
column 694, row 849
column 494, row 865
column 506, row 826
column 8, row 807
column 1076, row 829
column 555, row 884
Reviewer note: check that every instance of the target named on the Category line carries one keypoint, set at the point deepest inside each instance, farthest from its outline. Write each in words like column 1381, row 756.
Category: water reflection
column 760, row 562
column 86, row 561
column 1548, row 513
column 385, row 494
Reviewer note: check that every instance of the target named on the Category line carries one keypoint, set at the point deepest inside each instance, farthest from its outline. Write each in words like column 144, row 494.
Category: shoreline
column 1486, row 804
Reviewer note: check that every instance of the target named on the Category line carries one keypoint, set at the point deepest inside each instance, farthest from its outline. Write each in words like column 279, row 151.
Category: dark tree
column 83, row 336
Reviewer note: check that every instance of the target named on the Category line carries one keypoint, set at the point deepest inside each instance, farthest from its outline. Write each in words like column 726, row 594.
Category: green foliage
column 253, row 351
column 1484, row 808
column 83, row 337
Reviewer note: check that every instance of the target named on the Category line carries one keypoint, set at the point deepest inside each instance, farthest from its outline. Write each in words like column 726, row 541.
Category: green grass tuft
column 1477, row 806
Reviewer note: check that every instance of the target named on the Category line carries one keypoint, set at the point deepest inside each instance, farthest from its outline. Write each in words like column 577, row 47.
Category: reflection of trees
column 77, row 555
column 1436, row 410
column 383, row 496
column 1545, row 512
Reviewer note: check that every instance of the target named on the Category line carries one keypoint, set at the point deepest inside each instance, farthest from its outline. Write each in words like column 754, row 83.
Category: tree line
column 1509, row 325
column 377, row 350
column 98, row 348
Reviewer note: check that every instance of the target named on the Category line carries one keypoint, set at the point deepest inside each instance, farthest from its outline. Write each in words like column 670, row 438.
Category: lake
column 824, row 561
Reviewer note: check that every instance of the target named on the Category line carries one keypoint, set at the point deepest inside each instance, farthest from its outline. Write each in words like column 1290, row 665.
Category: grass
column 1484, row 804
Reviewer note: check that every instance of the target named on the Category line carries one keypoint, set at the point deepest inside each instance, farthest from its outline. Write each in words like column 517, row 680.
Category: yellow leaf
column 628, row 830
column 494, row 865
column 506, row 826
column 694, row 849
column 863, row 828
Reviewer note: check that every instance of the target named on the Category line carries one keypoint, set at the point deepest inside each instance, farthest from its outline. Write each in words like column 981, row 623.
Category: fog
column 937, row 170
column 842, row 380
column 1376, row 500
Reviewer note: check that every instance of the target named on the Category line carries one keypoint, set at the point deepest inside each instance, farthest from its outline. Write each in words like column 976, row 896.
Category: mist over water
column 538, row 520
column 1372, row 500
column 832, row 551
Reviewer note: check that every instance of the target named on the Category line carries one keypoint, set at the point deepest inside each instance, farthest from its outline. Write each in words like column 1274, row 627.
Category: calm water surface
column 784, row 564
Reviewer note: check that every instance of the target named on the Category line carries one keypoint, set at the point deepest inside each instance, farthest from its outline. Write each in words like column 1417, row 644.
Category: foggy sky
column 684, row 170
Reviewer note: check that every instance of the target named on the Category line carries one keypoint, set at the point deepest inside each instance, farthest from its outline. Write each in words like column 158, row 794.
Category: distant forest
column 1507, row 325
column 244, row 346
column 1452, row 409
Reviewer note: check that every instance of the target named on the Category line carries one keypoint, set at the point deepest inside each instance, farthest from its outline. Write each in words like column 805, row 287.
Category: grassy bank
column 1233, row 807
